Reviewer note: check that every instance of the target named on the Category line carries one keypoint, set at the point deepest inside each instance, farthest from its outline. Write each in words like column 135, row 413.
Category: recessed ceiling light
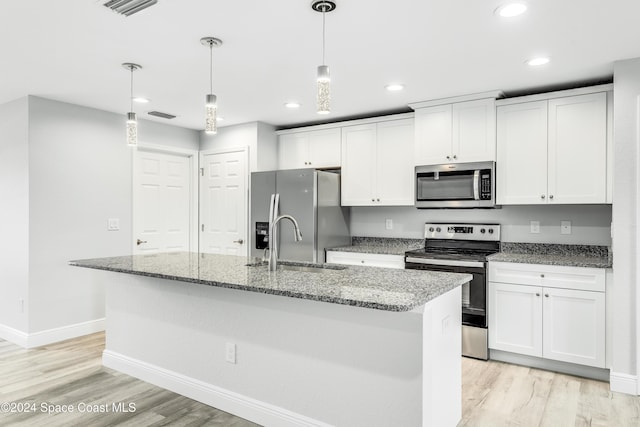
column 292, row 105
column 510, row 10
column 140, row 100
column 394, row 87
column 534, row 62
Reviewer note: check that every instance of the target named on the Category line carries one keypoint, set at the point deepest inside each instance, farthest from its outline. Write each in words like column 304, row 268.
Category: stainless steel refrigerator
column 312, row 197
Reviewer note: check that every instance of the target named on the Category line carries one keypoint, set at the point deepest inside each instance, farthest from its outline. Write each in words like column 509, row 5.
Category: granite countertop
column 555, row 254
column 380, row 245
column 369, row 287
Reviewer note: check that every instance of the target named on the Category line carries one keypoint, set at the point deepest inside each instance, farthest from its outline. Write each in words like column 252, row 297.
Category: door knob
column 139, row 242
column 239, row 241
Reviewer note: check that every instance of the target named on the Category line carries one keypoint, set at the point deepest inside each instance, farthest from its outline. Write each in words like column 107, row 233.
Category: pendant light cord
column 324, row 8
column 131, row 97
column 211, row 66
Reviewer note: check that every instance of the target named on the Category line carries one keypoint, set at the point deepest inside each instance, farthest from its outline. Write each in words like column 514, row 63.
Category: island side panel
column 309, row 361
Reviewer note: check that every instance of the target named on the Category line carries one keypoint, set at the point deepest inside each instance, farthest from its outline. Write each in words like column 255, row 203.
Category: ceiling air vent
column 160, row 114
column 129, row 7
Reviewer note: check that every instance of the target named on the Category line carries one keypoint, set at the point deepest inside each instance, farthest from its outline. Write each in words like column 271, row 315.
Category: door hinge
column 201, row 171
column 202, row 227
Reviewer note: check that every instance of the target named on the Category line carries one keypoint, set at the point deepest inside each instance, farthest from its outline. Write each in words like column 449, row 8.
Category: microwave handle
column 476, row 185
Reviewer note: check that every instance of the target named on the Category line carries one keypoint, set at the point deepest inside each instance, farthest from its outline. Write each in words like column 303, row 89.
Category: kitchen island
column 352, row 346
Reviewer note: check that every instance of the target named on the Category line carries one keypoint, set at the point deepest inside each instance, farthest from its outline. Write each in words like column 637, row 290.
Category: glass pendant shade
column 132, row 130
column 211, row 119
column 324, row 90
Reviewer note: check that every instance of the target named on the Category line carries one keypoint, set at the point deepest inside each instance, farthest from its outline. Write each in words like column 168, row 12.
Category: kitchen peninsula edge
column 341, row 346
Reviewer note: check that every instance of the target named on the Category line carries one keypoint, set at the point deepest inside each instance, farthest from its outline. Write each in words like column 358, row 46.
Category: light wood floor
column 494, row 394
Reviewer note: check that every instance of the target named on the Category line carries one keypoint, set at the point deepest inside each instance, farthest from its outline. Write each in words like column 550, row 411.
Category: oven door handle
column 448, row 262
column 476, row 185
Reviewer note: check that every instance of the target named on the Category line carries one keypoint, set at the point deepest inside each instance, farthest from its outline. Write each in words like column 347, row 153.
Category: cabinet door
column 433, row 133
column 395, row 170
column 515, row 318
column 293, row 151
column 521, row 167
column 474, row 131
column 358, row 178
column 578, row 149
column 574, row 326
column 324, row 148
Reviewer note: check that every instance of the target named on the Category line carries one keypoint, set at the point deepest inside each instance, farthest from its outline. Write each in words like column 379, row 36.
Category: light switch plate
column 565, row 227
column 113, row 224
column 388, row 224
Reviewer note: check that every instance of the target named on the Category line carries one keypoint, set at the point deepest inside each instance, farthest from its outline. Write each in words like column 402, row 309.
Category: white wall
column 625, row 231
column 590, row 224
column 259, row 137
column 14, row 213
column 79, row 172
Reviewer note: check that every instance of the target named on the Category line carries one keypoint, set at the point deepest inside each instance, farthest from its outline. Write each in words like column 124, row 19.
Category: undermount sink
column 300, row 266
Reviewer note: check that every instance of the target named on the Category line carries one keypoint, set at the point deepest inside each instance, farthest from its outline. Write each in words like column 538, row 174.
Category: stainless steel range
column 462, row 248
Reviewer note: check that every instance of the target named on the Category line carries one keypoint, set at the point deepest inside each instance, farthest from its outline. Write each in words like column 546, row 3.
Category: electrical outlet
column 230, row 355
column 535, row 227
column 388, row 224
column 565, row 227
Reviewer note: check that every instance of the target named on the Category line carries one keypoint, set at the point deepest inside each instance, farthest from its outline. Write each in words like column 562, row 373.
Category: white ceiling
column 72, row 50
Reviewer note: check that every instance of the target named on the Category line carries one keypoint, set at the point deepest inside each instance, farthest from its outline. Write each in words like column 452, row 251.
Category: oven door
column 474, row 293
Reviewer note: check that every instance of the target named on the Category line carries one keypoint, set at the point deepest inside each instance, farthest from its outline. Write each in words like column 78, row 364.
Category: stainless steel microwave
column 456, row 185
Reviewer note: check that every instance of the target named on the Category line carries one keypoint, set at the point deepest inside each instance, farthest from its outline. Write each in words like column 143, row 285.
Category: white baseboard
column 13, row 335
column 49, row 336
column 251, row 409
column 624, row 383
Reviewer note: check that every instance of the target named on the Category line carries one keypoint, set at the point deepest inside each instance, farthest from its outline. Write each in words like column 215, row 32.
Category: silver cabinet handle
column 551, row 196
column 378, row 200
column 542, row 275
column 448, row 157
column 542, row 197
column 546, row 295
column 139, row 242
column 239, row 241
column 455, row 157
column 537, row 294
column 362, row 261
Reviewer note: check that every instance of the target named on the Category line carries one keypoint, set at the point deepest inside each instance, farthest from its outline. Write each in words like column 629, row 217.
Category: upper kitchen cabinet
column 377, row 163
column 553, row 151
column 319, row 148
column 463, row 131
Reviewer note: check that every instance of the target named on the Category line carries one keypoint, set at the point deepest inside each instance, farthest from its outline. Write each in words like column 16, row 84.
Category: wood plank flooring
column 494, row 394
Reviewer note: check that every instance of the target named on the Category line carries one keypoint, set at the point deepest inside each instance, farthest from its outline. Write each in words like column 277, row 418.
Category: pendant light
column 324, row 79
column 132, row 122
column 211, row 107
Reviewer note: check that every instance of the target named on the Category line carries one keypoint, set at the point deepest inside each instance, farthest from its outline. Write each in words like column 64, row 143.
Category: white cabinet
column 366, row 259
column 310, row 149
column 377, row 164
column 458, row 132
column 547, row 311
column 553, row 151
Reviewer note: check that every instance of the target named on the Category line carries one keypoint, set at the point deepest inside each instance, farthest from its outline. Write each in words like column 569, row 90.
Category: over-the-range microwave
column 456, row 185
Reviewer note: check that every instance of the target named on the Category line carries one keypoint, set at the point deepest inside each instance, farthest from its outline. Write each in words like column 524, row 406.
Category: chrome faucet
column 273, row 240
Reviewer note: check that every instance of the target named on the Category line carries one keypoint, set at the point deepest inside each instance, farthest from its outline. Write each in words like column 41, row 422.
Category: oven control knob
column 430, row 229
column 438, row 230
column 482, row 230
column 491, row 231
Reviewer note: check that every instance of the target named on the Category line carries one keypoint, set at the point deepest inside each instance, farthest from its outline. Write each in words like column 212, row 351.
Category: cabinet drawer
column 551, row 276
column 370, row 260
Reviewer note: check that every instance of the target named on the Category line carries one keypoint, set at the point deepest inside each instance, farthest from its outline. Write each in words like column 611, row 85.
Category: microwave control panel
column 485, row 184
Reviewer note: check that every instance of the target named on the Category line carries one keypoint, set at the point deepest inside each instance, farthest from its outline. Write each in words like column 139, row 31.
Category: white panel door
column 515, row 318
column 162, row 202
column 521, row 166
column 396, row 176
column 223, row 203
column 578, row 149
column 574, row 326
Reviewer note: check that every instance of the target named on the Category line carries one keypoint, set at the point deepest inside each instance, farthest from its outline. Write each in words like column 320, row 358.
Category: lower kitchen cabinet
column 365, row 259
column 552, row 312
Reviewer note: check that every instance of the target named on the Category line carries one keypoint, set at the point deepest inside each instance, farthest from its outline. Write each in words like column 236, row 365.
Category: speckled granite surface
column 369, row 287
column 555, row 254
column 380, row 245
